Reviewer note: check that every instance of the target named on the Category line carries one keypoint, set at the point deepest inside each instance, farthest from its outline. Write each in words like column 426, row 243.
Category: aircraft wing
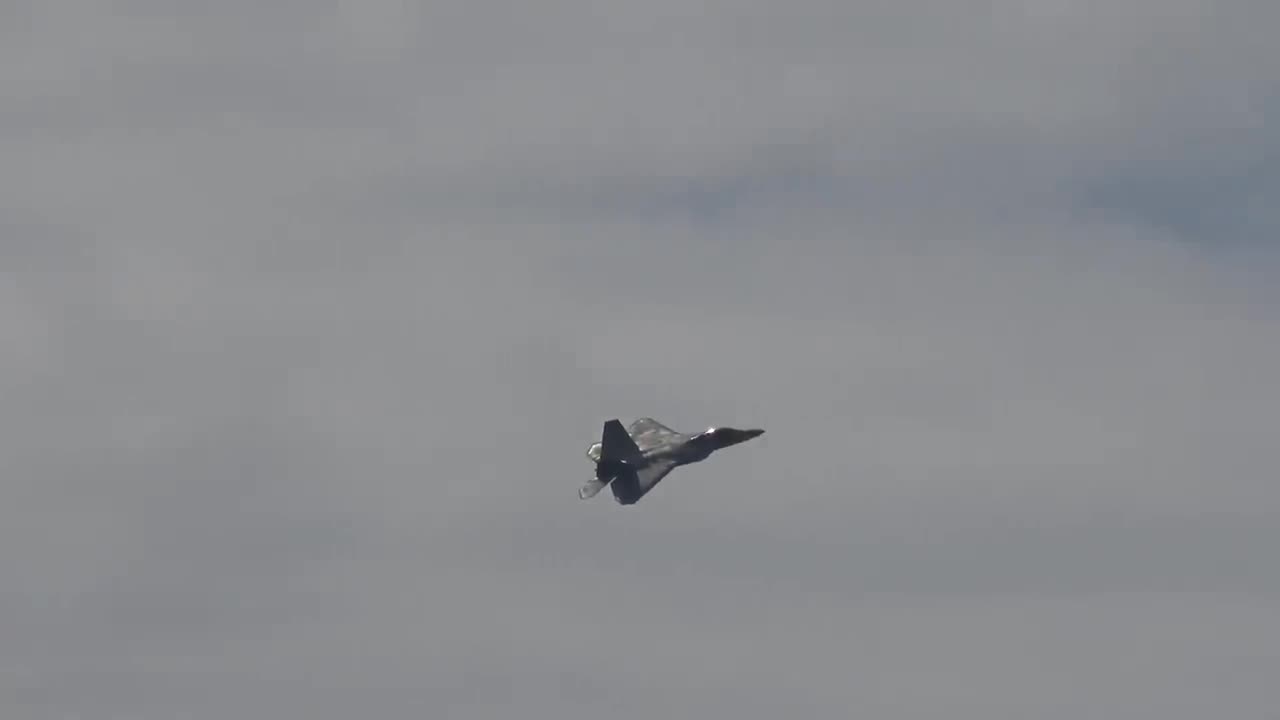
column 649, row 434
column 632, row 485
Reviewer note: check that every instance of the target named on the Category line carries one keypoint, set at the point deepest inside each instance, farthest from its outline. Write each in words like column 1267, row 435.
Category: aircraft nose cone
column 725, row 437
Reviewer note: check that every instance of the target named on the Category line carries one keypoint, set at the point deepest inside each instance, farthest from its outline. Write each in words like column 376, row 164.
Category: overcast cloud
column 310, row 310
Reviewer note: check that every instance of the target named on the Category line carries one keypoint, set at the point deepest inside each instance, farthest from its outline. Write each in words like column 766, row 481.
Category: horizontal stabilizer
column 589, row 490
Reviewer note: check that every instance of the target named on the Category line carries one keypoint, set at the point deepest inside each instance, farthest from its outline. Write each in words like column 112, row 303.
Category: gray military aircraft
column 636, row 459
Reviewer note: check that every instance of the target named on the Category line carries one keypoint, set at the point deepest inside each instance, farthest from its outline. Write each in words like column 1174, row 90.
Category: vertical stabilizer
column 611, row 455
column 616, row 445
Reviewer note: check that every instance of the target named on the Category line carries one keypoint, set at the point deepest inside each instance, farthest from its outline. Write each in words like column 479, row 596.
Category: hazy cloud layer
column 310, row 314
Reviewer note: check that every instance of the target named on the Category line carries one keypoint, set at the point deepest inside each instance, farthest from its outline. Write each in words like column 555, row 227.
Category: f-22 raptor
column 636, row 459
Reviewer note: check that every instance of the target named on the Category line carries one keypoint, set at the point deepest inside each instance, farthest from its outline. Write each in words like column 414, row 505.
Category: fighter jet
column 636, row 459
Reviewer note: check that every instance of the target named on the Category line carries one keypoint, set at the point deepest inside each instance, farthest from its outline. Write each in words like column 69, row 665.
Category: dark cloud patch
column 1225, row 211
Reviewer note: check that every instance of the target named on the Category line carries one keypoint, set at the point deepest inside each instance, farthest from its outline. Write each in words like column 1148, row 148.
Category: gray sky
column 310, row 310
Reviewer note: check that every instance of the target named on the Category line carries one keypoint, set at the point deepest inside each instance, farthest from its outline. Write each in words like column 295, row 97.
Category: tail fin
column 610, row 455
column 616, row 444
